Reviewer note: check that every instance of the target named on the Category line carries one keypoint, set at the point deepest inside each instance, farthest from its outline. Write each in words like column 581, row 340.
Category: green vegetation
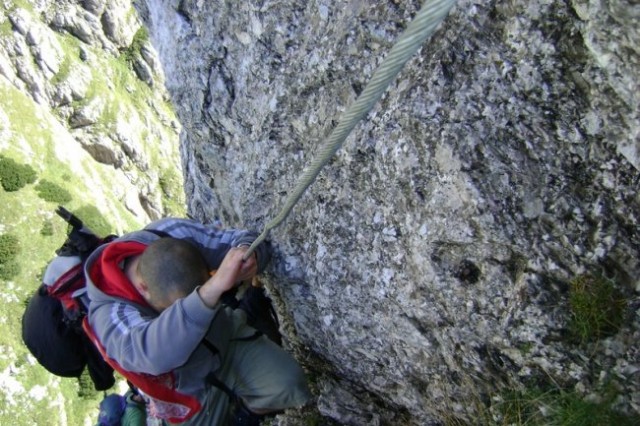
column 9, row 270
column 52, row 192
column 64, row 71
column 34, row 149
column 9, row 248
column 85, row 386
column 9, row 251
column 536, row 407
column 15, row 176
column 171, row 185
column 597, row 308
column 47, row 228
column 133, row 51
column 94, row 220
column 7, row 6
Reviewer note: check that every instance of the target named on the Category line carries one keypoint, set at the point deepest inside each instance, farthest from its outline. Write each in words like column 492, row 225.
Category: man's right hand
column 225, row 277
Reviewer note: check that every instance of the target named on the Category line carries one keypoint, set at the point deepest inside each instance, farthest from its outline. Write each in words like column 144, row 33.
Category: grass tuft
column 597, row 308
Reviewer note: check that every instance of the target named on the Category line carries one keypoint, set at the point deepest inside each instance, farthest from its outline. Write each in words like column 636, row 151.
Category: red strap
column 64, row 287
column 178, row 407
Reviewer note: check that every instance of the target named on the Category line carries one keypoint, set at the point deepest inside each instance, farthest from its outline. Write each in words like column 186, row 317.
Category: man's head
column 170, row 269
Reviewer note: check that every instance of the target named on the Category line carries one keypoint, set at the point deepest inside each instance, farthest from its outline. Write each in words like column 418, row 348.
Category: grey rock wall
column 428, row 267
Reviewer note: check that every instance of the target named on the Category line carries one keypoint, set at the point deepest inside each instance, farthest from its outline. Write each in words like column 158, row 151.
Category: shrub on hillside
column 9, row 248
column 9, row 270
column 14, row 176
column 86, row 390
column 47, row 228
column 52, row 192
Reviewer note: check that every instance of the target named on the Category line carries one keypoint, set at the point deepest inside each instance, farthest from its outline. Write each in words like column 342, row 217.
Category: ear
column 142, row 288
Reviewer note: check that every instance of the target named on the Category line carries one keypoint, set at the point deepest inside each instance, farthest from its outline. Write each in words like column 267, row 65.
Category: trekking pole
column 69, row 217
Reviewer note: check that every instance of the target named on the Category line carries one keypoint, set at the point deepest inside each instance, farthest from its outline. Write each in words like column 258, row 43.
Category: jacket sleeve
column 213, row 243
column 145, row 342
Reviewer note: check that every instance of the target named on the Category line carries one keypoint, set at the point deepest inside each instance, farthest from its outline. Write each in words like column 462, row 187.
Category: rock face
column 428, row 267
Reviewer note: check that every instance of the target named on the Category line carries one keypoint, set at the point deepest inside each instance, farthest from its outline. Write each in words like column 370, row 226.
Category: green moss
column 24, row 125
column 64, row 71
column 597, row 308
column 119, row 89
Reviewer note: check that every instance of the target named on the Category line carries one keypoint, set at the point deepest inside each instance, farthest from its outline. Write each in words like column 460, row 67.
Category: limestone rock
column 66, row 55
column 94, row 6
column 84, row 26
column 118, row 23
column 102, row 149
column 87, row 114
column 427, row 268
column 73, row 88
column 143, row 70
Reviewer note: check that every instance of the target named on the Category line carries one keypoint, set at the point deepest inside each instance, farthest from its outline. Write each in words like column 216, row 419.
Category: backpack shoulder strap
column 170, row 404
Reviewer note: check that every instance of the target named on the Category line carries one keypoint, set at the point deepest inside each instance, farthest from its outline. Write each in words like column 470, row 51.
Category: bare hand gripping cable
column 423, row 25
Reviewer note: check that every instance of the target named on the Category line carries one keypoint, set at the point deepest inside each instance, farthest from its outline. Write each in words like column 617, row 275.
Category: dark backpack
column 52, row 321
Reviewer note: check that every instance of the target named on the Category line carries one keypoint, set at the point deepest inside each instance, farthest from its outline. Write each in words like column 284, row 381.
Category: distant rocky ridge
column 92, row 65
column 429, row 270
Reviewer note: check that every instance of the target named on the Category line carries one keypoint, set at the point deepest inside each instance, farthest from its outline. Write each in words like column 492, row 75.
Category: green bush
column 597, row 308
column 86, row 389
column 9, row 270
column 52, row 192
column 14, row 176
column 47, row 228
column 9, row 248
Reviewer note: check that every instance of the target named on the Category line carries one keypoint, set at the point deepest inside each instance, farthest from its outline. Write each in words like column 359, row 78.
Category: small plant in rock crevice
column 558, row 407
column 597, row 308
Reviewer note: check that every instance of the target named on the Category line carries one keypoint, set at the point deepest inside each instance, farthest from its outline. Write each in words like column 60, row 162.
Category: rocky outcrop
column 428, row 269
column 91, row 64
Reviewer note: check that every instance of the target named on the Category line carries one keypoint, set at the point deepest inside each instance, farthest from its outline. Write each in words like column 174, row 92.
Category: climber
column 118, row 410
column 155, row 314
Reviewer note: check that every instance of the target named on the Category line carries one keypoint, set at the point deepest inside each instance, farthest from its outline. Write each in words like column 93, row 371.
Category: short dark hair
column 172, row 268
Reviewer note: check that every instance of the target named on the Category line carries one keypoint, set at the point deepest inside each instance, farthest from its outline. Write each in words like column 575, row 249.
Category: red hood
column 108, row 276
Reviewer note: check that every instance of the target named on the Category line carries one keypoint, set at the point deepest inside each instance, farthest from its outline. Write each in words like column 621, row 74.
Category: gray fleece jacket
column 143, row 341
